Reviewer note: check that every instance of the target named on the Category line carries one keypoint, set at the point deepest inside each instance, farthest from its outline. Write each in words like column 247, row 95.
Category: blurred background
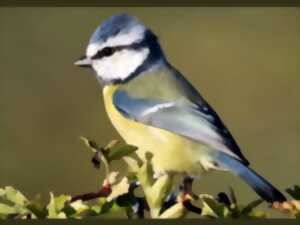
column 244, row 61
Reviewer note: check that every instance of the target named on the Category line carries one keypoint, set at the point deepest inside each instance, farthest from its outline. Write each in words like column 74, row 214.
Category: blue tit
column 154, row 107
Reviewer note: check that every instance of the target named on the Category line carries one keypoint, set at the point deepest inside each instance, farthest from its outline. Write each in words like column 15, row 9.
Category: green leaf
column 89, row 143
column 96, row 209
column 126, row 200
column 56, row 206
column 145, row 172
column 133, row 166
column 6, row 209
column 232, row 195
column 38, row 210
column 258, row 214
column 129, row 212
column 252, row 205
column 174, row 212
column 69, row 210
column 121, row 152
column 75, row 209
column 213, row 208
column 159, row 191
column 111, row 145
column 3, row 216
column 107, row 207
column 294, row 192
column 11, row 194
column 119, row 189
column 79, row 206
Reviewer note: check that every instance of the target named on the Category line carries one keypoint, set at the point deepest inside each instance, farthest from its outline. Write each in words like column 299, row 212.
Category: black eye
column 108, row 51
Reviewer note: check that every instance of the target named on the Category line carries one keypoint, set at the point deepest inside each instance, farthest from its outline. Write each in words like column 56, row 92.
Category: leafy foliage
column 294, row 192
column 216, row 208
column 117, row 195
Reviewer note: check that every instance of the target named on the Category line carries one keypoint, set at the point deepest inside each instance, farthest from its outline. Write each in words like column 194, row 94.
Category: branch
column 103, row 192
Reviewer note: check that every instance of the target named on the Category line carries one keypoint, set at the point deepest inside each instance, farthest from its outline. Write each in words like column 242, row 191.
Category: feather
column 260, row 185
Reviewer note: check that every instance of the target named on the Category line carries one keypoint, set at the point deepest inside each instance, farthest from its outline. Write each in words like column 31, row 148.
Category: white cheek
column 120, row 65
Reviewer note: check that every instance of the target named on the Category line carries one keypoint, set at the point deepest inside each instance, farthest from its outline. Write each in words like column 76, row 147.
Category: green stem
column 106, row 165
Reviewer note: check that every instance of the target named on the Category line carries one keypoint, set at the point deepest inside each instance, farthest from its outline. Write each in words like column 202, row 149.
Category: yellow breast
column 171, row 152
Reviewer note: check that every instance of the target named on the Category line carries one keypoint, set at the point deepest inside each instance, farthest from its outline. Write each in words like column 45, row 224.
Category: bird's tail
column 260, row 185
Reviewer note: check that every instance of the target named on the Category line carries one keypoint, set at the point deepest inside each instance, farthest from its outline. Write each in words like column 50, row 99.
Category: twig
column 103, row 192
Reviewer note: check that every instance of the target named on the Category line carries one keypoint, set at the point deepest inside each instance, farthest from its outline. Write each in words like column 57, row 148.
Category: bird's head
column 121, row 48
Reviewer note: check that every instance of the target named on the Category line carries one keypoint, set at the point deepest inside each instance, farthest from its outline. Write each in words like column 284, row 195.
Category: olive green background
column 245, row 61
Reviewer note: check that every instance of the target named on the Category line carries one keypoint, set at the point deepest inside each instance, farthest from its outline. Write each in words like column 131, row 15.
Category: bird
column 154, row 107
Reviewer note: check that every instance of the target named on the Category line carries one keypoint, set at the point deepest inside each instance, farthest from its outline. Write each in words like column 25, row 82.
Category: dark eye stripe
column 105, row 52
column 108, row 51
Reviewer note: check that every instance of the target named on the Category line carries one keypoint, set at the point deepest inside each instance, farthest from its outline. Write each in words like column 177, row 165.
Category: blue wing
column 175, row 116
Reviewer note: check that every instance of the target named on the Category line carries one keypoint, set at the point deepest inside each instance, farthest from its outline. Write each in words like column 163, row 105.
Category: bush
column 118, row 195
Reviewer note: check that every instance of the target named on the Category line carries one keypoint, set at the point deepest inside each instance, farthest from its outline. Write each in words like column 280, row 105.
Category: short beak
column 83, row 62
